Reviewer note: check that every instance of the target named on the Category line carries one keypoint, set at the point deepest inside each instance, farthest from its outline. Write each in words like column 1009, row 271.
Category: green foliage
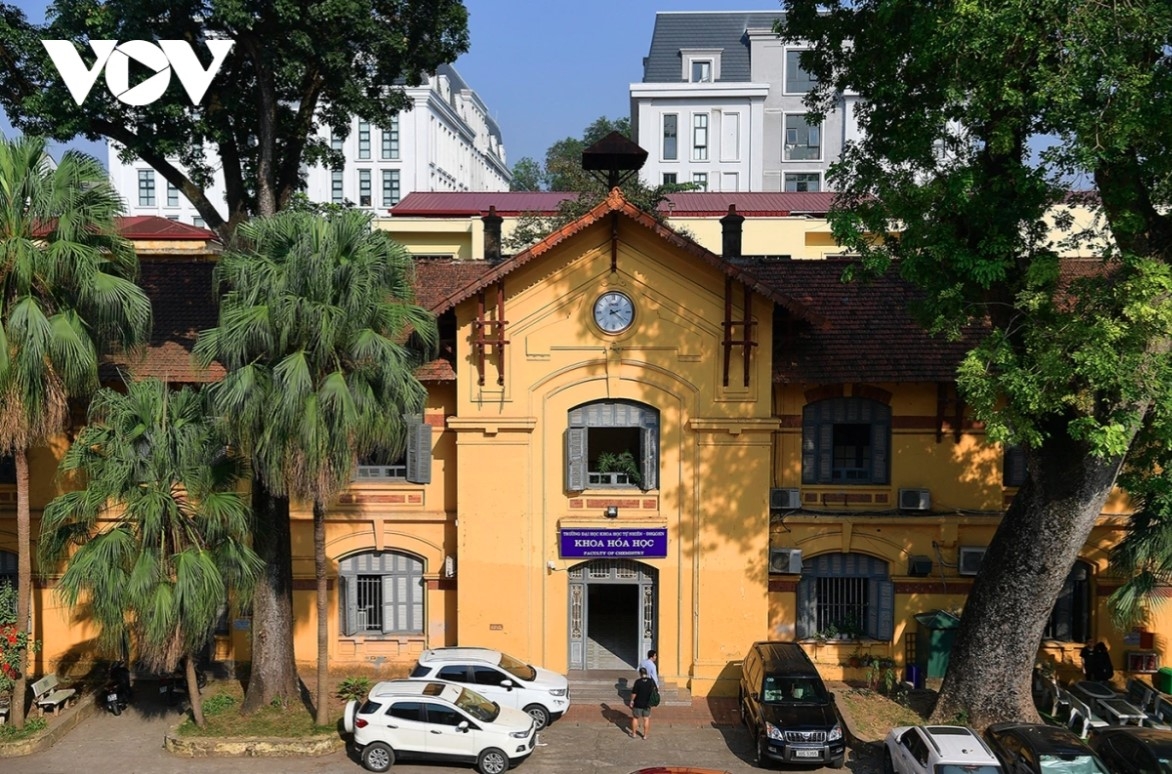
column 620, row 462
column 528, row 175
column 353, row 688
column 32, row 727
column 160, row 531
column 320, row 336
column 221, row 702
column 294, row 69
column 15, row 646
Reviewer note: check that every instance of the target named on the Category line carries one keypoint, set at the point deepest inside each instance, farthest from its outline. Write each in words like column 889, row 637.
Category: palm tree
column 67, row 294
column 320, row 337
column 160, row 532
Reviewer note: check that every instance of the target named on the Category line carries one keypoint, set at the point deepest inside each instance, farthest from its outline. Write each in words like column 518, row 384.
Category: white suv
column 437, row 721
column 500, row 677
column 937, row 750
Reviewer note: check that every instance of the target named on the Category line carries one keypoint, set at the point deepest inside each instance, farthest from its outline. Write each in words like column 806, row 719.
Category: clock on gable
column 614, row 311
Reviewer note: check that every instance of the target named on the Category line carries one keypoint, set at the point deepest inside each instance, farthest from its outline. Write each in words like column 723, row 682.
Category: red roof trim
column 618, row 203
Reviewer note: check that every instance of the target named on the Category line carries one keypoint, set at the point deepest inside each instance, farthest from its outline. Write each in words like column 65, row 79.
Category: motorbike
column 117, row 692
column 174, row 685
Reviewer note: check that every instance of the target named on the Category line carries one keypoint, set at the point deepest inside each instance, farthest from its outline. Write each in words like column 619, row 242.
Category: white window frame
column 663, row 137
column 365, row 188
column 146, row 188
column 786, row 175
column 364, row 140
column 785, row 75
column 172, row 195
column 701, row 123
column 392, row 187
column 700, row 179
column 690, row 55
column 337, row 186
column 389, row 150
column 785, row 138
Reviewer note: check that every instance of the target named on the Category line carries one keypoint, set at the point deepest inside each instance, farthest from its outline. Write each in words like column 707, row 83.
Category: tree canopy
column 294, row 68
column 944, row 189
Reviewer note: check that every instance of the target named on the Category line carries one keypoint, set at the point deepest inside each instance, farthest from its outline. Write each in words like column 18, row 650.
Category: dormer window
column 700, row 65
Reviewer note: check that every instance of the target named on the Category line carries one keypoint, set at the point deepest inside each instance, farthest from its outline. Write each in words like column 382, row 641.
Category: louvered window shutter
column 807, row 621
column 1013, row 472
column 418, row 450
column 576, row 459
column 349, row 605
column 880, row 441
column 650, row 470
column 810, row 444
column 880, row 608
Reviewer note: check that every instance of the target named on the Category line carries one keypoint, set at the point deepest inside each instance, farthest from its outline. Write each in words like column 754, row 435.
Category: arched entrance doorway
column 612, row 608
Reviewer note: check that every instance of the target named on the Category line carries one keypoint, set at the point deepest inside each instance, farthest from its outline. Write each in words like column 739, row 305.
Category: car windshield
column 792, row 690
column 517, row 668
column 971, row 768
column 1071, row 764
column 477, row 706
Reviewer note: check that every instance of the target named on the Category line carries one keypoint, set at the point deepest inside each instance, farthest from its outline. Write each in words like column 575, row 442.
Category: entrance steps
column 614, row 687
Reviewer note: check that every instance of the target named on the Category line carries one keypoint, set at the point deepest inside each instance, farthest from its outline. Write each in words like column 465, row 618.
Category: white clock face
column 614, row 312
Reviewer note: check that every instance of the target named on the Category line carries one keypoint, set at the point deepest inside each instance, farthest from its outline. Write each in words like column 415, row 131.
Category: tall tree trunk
column 323, row 603
column 1037, row 543
column 273, row 675
column 24, row 583
column 193, row 693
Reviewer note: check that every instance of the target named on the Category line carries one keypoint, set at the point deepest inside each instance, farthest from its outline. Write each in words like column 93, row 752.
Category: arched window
column 850, row 595
column 845, row 441
column 1070, row 620
column 382, row 593
column 612, row 444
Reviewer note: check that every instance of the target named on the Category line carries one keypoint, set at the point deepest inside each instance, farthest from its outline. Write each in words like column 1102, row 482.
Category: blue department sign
column 648, row 543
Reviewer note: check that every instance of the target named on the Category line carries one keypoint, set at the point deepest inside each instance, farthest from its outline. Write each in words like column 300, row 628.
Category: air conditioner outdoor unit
column 785, row 560
column 968, row 560
column 915, row 500
column 785, row 499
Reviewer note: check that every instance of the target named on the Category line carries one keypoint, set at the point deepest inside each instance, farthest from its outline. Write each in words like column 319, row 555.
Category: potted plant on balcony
column 622, row 464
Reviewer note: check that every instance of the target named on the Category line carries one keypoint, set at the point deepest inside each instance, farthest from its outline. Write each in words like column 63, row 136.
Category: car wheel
column 492, row 761
column 838, row 763
column 377, row 756
column 759, row 759
column 539, row 714
column 348, row 716
column 116, row 708
column 888, row 764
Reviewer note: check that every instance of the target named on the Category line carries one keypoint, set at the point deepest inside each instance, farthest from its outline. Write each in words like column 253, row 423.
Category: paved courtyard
column 589, row 739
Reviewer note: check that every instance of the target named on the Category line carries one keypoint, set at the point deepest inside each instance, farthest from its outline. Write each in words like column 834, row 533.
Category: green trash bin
column 934, row 638
column 1162, row 680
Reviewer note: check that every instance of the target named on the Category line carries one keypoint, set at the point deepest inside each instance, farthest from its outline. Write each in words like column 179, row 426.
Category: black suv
column 787, row 708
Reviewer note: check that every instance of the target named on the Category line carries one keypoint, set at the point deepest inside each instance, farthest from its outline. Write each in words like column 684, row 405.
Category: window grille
column 842, row 603
column 369, row 591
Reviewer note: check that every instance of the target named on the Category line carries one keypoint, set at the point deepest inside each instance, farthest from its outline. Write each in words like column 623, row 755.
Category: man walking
column 640, row 704
column 651, row 665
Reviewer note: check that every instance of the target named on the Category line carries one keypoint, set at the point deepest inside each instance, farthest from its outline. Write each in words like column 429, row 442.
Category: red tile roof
column 184, row 304
column 154, row 227
column 681, row 205
column 617, row 203
column 868, row 334
column 438, row 278
column 463, row 203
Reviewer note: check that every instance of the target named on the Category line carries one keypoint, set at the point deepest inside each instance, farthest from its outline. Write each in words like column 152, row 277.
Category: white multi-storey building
column 447, row 141
column 720, row 105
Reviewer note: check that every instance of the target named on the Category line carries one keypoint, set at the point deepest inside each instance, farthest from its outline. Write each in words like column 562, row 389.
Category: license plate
column 112, row 697
column 807, row 753
column 163, row 689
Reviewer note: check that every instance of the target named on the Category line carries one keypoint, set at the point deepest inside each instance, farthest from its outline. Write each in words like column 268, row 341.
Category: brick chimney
column 492, row 235
column 731, row 233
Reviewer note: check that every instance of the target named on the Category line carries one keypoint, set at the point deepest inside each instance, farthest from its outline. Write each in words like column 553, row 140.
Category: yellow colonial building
column 635, row 440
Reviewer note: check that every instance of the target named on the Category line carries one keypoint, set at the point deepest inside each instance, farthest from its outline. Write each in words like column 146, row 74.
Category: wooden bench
column 48, row 694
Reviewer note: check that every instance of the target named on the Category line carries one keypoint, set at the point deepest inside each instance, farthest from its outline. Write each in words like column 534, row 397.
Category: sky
column 545, row 69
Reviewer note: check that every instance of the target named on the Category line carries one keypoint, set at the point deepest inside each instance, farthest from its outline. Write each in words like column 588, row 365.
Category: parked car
column 440, row 721
column 787, row 709
column 1029, row 748
column 1134, row 750
column 506, row 680
column 937, row 750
